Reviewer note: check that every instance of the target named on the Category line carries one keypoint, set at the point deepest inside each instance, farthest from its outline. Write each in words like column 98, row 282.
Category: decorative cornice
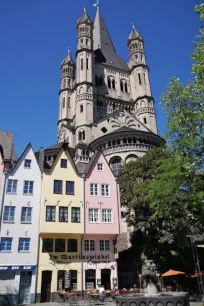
column 84, row 50
column 139, row 65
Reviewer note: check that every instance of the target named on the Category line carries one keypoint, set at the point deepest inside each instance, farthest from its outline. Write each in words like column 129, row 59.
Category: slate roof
column 103, row 45
column 68, row 59
column 134, row 35
column 84, row 17
column 7, row 142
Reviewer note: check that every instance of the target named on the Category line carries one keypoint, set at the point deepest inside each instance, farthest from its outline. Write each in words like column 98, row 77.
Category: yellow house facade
column 61, row 226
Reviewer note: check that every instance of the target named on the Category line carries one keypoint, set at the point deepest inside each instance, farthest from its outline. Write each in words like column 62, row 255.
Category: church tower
column 65, row 105
column 139, row 82
column 84, row 80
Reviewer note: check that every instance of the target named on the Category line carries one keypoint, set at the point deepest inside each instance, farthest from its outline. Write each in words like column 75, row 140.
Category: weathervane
column 97, row 3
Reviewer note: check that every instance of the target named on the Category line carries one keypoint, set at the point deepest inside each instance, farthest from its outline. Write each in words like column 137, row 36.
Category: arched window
column 113, row 105
column 124, row 140
column 139, row 77
column 145, row 120
column 96, row 80
column 145, row 78
column 87, row 63
column 126, row 89
column 83, row 135
column 82, row 64
column 87, row 42
column 79, row 136
column 63, row 102
column 69, row 82
column 109, row 83
column 141, row 57
column 116, row 165
column 81, row 108
column 121, row 85
column 69, row 102
column 113, row 84
column 101, row 81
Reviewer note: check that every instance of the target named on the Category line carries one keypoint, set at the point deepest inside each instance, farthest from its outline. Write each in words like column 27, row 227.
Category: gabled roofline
column 64, row 147
column 96, row 156
column 19, row 159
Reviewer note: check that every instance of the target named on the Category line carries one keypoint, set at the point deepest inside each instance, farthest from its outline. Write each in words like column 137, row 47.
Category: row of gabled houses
column 59, row 224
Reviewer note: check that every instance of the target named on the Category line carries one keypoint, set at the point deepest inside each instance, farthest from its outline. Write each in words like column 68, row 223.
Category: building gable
column 117, row 120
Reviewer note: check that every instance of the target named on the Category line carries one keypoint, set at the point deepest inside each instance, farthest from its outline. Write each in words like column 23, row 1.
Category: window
column 87, row 63
column 126, row 89
column 26, row 215
column 100, row 167
column 89, row 245
column 12, row 186
column 47, row 245
column 28, row 187
column 93, row 215
column 113, row 84
column 6, row 244
column 109, row 83
column 9, row 214
column 63, row 214
column 104, row 130
column 69, row 187
column 75, row 214
column 27, row 163
column 139, row 77
column 107, row 215
column 87, row 42
column 81, row 108
column 50, row 213
column 63, row 102
column 72, row 245
column 116, row 165
column 24, row 245
column 121, row 85
column 59, row 245
column 63, row 163
column 104, row 245
column 94, row 189
column 145, row 79
column 82, row 64
column 105, row 190
column 145, row 120
column 57, row 186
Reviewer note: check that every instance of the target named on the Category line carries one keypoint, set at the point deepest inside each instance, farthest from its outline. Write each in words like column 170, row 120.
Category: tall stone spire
column 103, row 45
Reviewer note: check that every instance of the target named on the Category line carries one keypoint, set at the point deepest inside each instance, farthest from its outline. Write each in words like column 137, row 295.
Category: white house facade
column 19, row 231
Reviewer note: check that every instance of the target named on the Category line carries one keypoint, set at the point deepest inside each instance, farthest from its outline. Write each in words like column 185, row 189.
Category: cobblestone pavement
column 104, row 304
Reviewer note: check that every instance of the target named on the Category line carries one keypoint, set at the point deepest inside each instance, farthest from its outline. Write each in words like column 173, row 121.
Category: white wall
column 18, row 230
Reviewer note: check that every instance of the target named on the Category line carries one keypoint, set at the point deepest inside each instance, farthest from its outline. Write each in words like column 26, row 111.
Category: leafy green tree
column 163, row 192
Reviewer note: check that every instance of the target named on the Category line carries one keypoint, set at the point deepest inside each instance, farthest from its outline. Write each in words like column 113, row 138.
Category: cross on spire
column 68, row 49
column 84, row 7
column 133, row 26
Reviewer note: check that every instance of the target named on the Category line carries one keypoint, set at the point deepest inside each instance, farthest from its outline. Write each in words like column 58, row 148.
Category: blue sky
column 35, row 35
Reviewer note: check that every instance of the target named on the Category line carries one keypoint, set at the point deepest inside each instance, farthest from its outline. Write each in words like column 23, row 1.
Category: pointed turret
column 134, row 35
column 103, row 45
column 68, row 60
column 84, row 18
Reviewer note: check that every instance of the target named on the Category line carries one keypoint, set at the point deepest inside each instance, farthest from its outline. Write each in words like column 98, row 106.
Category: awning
column 16, row 268
column 172, row 273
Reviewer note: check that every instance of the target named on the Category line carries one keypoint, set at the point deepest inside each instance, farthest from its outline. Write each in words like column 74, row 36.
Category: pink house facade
column 101, row 228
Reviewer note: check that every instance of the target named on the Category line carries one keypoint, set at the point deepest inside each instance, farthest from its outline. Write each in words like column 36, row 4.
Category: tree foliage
column 163, row 192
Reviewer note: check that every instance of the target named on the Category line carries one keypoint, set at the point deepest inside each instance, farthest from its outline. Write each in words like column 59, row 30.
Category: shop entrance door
column 105, row 278
column 46, row 286
column 24, row 290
